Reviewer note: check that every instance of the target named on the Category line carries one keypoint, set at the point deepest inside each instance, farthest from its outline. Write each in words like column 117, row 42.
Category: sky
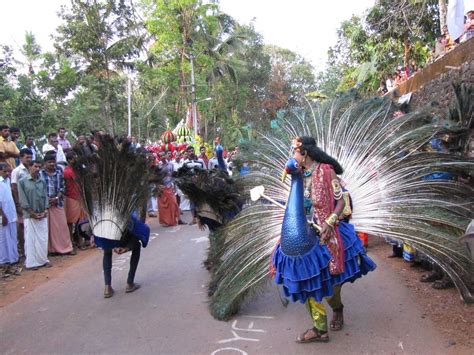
column 307, row 27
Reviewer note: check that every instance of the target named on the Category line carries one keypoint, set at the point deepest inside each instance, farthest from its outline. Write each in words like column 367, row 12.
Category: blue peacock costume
column 308, row 270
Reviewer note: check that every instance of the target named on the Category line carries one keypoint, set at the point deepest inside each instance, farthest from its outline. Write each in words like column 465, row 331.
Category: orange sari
column 168, row 209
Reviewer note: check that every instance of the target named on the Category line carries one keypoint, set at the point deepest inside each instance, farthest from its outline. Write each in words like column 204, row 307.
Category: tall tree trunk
column 215, row 124
column 182, row 102
column 406, row 57
column 443, row 10
column 109, row 121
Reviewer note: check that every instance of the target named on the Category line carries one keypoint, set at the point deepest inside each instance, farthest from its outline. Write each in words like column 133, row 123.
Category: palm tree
column 443, row 10
column 31, row 50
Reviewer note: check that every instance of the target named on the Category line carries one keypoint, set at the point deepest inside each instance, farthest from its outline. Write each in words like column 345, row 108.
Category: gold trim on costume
column 337, row 189
column 332, row 219
column 347, row 211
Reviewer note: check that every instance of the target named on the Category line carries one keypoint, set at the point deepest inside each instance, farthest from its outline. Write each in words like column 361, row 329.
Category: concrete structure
column 434, row 83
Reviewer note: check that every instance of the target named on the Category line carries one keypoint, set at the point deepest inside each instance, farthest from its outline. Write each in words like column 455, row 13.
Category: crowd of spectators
column 40, row 207
column 443, row 44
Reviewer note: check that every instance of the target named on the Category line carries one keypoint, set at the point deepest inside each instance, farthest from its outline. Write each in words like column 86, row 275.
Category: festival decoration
column 168, row 136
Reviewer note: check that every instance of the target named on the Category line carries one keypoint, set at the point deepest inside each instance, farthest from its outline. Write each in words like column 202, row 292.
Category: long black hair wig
column 308, row 145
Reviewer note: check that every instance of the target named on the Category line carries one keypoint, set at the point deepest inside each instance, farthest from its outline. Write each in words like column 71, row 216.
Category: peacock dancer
column 215, row 196
column 310, row 267
column 113, row 186
column 384, row 168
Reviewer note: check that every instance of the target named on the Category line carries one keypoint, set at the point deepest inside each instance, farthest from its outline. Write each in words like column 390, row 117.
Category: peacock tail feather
column 212, row 187
column 113, row 184
column 386, row 170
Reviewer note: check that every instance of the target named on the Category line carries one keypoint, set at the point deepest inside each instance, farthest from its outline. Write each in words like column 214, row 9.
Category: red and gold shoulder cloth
column 322, row 197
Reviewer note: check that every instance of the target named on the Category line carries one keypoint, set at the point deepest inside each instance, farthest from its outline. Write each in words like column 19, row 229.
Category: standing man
column 468, row 26
column 177, row 164
column 193, row 162
column 34, row 201
column 15, row 138
column 8, row 149
column 134, row 144
column 59, row 239
column 213, row 163
column 30, row 144
column 204, row 157
column 53, row 145
column 19, row 173
column 8, row 237
column 72, row 199
column 62, row 141
column 168, row 210
column 178, row 161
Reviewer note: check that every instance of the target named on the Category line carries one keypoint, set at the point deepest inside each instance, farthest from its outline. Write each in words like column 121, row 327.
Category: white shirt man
column 213, row 163
column 33, row 153
column 194, row 163
column 177, row 163
column 19, row 173
column 60, row 156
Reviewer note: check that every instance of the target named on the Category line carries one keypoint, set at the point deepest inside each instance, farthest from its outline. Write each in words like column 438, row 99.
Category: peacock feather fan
column 387, row 172
column 212, row 187
column 113, row 185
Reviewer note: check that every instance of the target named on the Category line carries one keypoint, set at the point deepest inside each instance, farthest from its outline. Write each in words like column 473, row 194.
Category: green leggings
column 317, row 310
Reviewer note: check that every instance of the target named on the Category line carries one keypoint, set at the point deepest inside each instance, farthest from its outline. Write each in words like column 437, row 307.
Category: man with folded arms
column 34, row 201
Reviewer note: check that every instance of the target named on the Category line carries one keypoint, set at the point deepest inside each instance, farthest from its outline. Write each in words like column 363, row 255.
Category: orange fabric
column 74, row 210
column 59, row 239
column 364, row 237
column 168, row 207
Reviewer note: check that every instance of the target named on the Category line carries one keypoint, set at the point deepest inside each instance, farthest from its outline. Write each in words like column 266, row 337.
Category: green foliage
column 8, row 94
column 371, row 47
column 82, row 84
column 103, row 38
column 28, row 115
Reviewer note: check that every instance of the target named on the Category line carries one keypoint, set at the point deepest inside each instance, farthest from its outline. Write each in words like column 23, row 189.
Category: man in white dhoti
column 32, row 192
column 16, row 175
column 8, row 233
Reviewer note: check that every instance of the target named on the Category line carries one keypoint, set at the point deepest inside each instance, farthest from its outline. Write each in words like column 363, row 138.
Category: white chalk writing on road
column 248, row 328
column 200, row 239
column 229, row 349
